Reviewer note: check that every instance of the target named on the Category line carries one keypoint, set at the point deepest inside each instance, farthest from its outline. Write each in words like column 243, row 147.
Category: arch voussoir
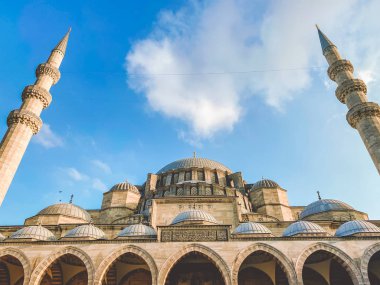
column 340, row 256
column 20, row 256
column 283, row 261
column 368, row 253
column 110, row 259
column 208, row 252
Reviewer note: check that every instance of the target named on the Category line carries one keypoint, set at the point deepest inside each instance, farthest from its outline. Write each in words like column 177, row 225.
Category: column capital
column 339, row 66
column 362, row 111
column 348, row 86
column 25, row 117
column 50, row 70
column 34, row 91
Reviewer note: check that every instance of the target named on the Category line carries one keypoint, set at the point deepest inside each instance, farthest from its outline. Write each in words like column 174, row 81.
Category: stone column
column 362, row 115
column 25, row 122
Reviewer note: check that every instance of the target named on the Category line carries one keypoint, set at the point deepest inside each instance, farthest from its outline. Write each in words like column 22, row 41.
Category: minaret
column 362, row 115
column 25, row 122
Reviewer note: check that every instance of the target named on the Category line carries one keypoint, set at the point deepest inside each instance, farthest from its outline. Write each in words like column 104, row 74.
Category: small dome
column 66, row 209
column 125, row 186
column 33, row 232
column 86, row 231
column 194, row 162
column 303, row 228
column 251, row 228
column 194, row 215
column 2, row 237
column 265, row 183
column 324, row 205
column 357, row 227
column 137, row 230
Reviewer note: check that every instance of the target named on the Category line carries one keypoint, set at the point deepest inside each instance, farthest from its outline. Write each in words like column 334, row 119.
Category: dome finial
column 194, row 154
column 319, row 195
column 71, row 198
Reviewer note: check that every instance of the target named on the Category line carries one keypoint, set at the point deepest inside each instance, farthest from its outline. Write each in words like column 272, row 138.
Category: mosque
column 193, row 222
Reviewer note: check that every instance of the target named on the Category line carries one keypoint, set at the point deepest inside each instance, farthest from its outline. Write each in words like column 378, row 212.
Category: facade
column 193, row 222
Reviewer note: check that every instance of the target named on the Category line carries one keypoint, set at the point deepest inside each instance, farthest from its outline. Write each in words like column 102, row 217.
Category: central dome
column 194, row 162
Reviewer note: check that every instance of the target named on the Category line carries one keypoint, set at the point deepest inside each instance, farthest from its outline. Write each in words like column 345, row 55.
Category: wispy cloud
column 47, row 138
column 99, row 185
column 175, row 66
column 102, row 166
column 74, row 174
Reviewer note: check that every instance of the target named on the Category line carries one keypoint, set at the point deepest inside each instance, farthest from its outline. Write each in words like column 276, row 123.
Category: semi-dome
column 137, row 230
column 33, row 232
column 66, row 209
column 324, row 205
column 194, row 162
column 357, row 227
column 265, row 183
column 303, row 228
column 86, row 231
column 251, row 228
column 194, row 216
column 124, row 186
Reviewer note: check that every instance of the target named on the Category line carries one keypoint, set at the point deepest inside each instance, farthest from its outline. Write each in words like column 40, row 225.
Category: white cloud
column 74, row 174
column 99, row 185
column 224, row 36
column 47, row 138
column 102, row 166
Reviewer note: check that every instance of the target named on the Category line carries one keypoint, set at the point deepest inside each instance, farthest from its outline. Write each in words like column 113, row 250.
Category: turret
column 25, row 122
column 362, row 115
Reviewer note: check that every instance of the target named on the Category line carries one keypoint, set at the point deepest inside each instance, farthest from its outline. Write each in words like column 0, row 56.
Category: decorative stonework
column 25, row 117
column 348, row 86
column 20, row 256
column 107, row 262
column 282, row 260
column 194, row 234
column 215, row 258
column 48, row 69
column 339, row 66
column 39, row 271
column 361, row 111
column 369, row 252
column 34, row 91
column 341, row 257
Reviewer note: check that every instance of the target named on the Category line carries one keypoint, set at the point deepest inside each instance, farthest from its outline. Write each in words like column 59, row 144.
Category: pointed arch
column 20, row 256
column 39, row 271
column 107, row 262
column 368, row 253
column 214, row 257
column 284, row 262
column 346, row 261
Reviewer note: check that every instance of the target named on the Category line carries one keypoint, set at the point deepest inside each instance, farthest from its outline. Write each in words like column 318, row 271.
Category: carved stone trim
column 339, row 66
column 27, row 118
column 34, row 91
column 361, row 111
column 369, row 252
column 328, row 50
column 348, row 86
column 48, row 69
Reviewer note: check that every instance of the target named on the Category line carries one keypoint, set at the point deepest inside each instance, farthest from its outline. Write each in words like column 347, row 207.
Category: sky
column 145, row 83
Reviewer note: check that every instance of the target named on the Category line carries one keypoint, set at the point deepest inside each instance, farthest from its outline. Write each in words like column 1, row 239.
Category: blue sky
column 241, row 82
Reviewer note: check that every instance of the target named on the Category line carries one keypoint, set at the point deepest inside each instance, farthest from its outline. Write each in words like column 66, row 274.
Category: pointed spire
column 325, row 42
column 61, row 46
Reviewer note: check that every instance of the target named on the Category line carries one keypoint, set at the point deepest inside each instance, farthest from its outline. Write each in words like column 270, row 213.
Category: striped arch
column 368, row 253
column 346, row 261
column 107, row 262
column 41, row 268
column 284, row 262
column 16, row 253
column 214, row 257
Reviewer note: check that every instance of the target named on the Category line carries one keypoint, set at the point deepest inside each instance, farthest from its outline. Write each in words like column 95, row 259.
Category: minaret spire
column 362, row 115
column 324, row 40
column 25, row 122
